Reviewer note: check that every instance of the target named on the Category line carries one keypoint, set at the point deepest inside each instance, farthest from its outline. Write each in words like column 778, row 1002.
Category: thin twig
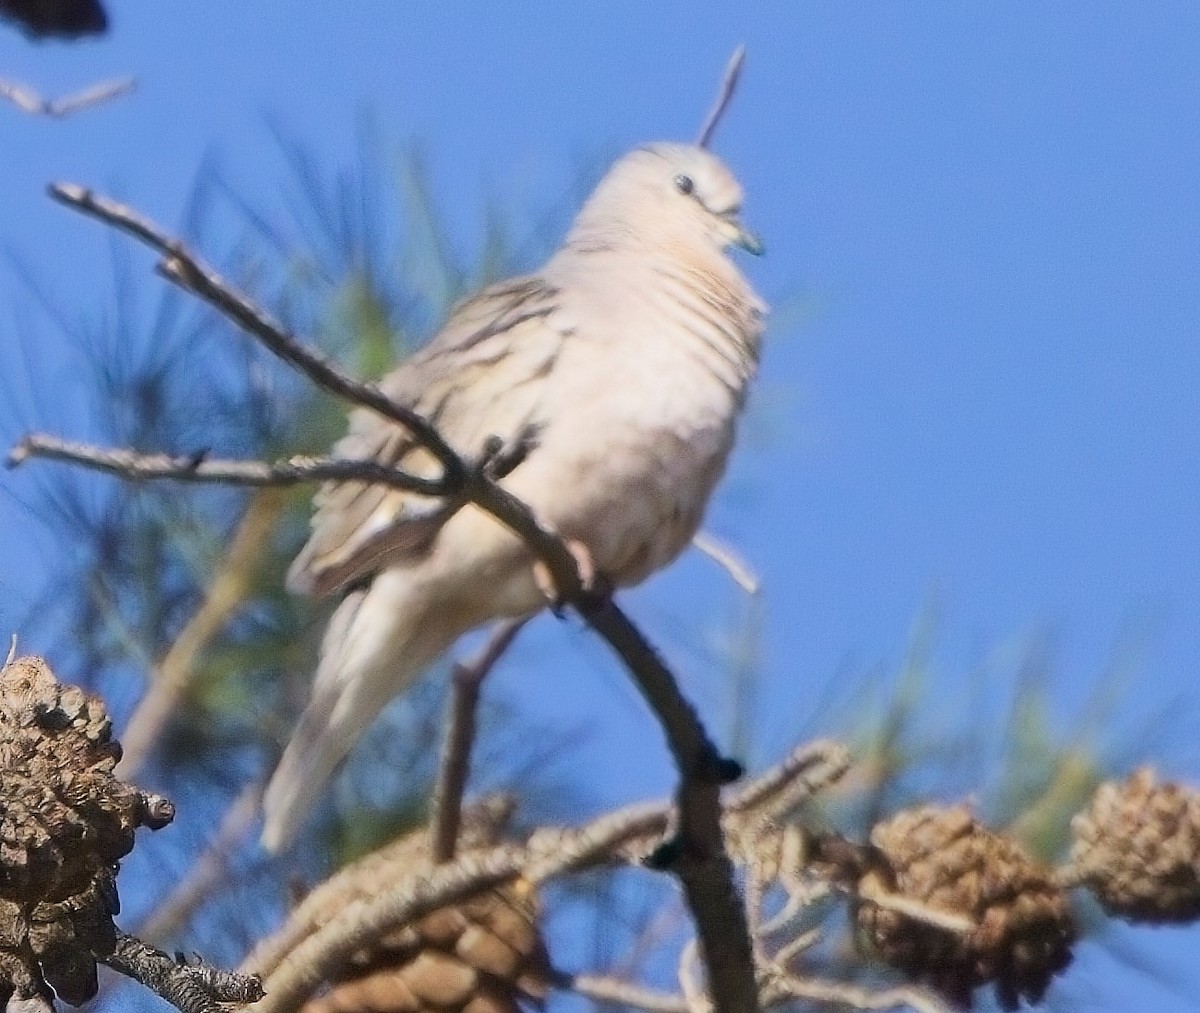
column 192, row 274
column 455, row 764
column 134, row 466
column 727, row 558
column 871, row 889
column 208, row 871
column 806, row 770
column 790, row 987
column 733, row 70
column 173, row 674
column 191, row 988
column 29, row 101
column 604, row 989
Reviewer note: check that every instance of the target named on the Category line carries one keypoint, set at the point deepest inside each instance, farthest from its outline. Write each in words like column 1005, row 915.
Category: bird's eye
column 684, row 184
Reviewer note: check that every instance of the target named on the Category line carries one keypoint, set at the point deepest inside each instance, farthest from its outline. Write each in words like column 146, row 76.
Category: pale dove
column 627, row 356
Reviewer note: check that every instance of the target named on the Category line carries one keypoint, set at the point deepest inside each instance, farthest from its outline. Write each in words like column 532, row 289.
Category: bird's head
column 667, row 194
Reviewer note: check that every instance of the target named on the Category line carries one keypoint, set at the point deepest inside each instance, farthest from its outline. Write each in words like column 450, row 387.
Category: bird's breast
column 637, row 434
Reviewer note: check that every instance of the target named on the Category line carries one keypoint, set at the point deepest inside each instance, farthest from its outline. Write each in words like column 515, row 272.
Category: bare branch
column 190, row 988
column 727, row 558
column 790, row 987
column 806, row 770
column 455, row 762
column 192, row 274
column 134, row 466
column 29, row 101
column 604, row 989
column 733, row 71
column 873, row 890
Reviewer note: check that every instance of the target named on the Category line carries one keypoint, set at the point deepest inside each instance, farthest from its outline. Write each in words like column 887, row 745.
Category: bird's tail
column 376, row 645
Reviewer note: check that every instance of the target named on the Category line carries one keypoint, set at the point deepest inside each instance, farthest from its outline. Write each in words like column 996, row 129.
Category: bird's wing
column 480, row 377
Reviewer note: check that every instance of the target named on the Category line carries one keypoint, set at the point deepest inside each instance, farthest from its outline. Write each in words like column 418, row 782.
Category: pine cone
column 942, row 859
column 476, row 957
column 1137, row 848
column 65, row 823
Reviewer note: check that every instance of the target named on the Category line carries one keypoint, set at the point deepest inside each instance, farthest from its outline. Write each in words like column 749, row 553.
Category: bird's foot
column 585, row 566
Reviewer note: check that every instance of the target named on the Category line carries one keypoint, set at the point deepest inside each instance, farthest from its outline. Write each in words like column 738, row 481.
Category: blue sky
column 983, row 234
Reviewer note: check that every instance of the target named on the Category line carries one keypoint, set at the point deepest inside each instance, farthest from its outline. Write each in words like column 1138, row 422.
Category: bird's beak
column 738, row 235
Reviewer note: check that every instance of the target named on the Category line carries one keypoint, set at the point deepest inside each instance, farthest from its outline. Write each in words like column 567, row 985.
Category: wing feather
column 481, row 376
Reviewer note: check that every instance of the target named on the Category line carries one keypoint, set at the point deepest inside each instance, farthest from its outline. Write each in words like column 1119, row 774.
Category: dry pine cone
column 941, row 859
column 476, row 957
column 1137, row 848
column 65, row 823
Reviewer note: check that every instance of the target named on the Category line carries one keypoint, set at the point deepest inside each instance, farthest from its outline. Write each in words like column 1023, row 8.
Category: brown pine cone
column 477, row 957
column 941, row 859
column 65, row 823
column 1137, row 848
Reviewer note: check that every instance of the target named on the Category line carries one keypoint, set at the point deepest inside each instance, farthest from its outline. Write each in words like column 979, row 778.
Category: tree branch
column 193, row 275
column 134, row 466
column 455, row 764
column 733, row 71
column 190, row 988
column 29, row 101
column 604, row 989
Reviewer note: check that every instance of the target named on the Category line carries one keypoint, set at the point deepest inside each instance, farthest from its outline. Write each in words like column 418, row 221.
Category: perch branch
column 455, row 764
column 29, row 101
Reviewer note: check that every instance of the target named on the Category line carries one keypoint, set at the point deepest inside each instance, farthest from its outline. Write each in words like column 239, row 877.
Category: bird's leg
column 584, row 564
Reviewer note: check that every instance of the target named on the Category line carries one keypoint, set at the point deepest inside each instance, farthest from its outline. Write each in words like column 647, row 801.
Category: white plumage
column 628, row 355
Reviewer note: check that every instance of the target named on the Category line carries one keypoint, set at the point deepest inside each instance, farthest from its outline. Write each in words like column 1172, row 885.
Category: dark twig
column 31, row 102
column 191, row 988
column 698, row 856
column 131, row 465
column 455, row 765
column 733, row 70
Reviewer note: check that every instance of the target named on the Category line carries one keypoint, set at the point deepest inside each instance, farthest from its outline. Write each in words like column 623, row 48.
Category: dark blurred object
column 55, row 19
